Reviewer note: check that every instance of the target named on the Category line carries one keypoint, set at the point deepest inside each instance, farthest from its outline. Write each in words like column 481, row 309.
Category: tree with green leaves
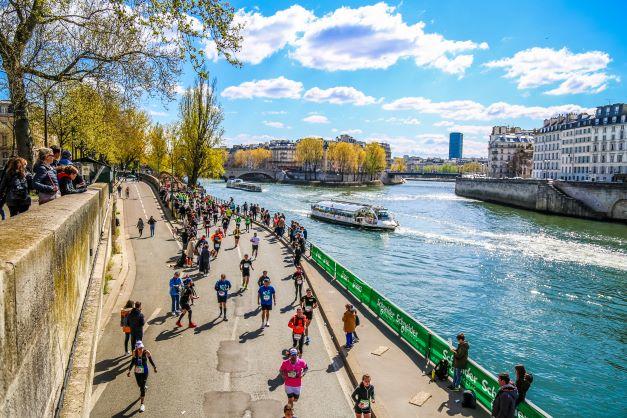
column 201, row 131
column 128, row 46
column 158, row 147
column 375, row 160
column 309, row 152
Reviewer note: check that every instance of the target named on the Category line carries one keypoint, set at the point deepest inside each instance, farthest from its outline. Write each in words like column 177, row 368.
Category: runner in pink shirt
column 293, row 369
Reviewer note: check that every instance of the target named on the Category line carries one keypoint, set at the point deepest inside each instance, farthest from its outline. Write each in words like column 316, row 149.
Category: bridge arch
column 619, row 209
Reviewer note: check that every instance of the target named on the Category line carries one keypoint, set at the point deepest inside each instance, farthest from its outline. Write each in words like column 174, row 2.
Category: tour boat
column 241, row 185
column 353, row 214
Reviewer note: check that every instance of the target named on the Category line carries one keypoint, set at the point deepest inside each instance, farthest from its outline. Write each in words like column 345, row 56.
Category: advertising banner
column 323, row 260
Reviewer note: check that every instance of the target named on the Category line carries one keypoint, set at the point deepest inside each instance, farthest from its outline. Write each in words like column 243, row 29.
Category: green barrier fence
column 421, row 338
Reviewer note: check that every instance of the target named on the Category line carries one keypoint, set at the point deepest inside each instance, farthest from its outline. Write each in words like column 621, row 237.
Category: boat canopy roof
column 347, row 206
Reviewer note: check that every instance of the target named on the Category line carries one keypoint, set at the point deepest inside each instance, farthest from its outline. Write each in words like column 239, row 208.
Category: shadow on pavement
column 252, row 313
column 335, row 365
column 111, row 368
column 288, row 277
column 169, row 334
column 250, row 335
column 160, row 320
column 207, row 326
column 287, row 308
column 273, row 384
column 123, row 413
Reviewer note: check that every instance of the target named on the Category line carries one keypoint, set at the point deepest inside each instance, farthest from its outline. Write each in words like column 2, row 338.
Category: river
column 545, row 291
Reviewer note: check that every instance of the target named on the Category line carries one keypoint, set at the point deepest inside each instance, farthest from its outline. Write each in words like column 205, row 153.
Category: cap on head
column 293, row 351
column 266, row 280
column 139, row 344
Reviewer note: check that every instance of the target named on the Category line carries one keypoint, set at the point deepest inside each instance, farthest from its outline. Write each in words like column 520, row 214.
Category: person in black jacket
column 363, row 396
column 15, row 186
column 45, row 178
column 66, row 181
column 523, row 383
column 136, row 323
column 504, row 404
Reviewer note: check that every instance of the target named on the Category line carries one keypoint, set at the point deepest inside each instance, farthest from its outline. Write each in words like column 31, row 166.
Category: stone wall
column 46, row 259
column 578, row 199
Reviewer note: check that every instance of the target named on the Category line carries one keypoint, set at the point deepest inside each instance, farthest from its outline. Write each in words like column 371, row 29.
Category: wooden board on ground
column 379, row 351
column 420, row 398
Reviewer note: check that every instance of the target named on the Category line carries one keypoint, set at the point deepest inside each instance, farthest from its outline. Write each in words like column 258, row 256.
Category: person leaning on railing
column 45, row 177
column 15, row 186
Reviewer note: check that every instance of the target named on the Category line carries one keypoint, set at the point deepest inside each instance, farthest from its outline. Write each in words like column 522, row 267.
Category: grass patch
column 109, row 265
column 108, row 278
column 116, row 248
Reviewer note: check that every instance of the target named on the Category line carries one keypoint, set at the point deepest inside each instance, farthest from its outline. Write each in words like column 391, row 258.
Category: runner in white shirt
column 255, row 242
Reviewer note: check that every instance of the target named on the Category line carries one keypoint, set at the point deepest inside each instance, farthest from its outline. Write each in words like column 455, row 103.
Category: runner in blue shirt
column 265, row 297
column 222, row 287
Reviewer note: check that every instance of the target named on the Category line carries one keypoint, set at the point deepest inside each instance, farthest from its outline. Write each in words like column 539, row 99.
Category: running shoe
column 192, row 325
column 178, row 324
column 142, row 408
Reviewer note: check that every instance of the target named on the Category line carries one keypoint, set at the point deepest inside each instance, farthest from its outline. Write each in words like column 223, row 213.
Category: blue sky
column 412, row 71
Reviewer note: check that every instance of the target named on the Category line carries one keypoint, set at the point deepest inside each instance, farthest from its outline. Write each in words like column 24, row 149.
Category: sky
column 410, row 72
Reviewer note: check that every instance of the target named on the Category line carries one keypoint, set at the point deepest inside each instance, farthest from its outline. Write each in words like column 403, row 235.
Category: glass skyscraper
column 455, row 145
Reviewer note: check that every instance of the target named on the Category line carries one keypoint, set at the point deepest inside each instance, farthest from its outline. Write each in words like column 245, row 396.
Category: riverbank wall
column 50, row 301
column 600, row 201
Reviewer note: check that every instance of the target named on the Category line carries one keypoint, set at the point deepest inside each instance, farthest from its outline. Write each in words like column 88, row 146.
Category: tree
column 130, row 141
column 158, row 147
column 472, row 167
column 260, row 156
column 201, row 131
column 309, row 153
column 399, row 165
column 128, row 47
column 342, row 155
column 375, row 159
column 359, row 159
column 521, row 163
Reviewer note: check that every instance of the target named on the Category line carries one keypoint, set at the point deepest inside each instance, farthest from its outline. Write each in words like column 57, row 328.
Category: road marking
column 99, row 390
column 140, row 200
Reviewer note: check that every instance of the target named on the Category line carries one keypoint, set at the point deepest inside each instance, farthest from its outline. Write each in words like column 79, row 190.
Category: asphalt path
column 219, row 369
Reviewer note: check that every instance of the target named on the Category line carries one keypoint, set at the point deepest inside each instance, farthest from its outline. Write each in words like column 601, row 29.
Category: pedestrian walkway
column 399, row 373
column 219, row 369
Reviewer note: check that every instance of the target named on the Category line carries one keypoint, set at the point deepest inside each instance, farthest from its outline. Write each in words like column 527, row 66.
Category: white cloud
column 274, row 112
column 481, row 130
column 429, row 145
column 402, row 121
column 575, row 73
column 338, row 95
column 278, row 125
column 246, row 139
column 471, row 110
column 274, row 88
column 444, row 123
column 179, row 89
column 316, row 119
column 348, row 131
column 158, row 113
column 263, row 36
column 377, row 37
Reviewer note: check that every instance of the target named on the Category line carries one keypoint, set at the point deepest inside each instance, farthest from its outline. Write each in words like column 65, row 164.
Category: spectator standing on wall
column 15, row 186
column 460, row 361
column 45, row 178
column 504, row 404
column 350, row 324
column 66, row 181
column 56, row 151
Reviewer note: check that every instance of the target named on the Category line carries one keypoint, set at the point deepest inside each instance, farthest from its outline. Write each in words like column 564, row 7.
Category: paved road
column 220, row 369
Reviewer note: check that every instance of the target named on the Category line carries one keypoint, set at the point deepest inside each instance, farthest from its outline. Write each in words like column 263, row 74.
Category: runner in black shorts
column 298, row 278
column 245, row 266
column 363, row 396
column 222, row 288
column 186, row 297
column 308, row 303
column 265, row 298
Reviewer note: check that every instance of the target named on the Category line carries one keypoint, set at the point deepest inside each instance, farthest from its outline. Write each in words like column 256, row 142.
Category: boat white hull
column 343, row 221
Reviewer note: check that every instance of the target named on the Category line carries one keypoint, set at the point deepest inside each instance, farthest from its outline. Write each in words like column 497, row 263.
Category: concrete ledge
column 45, row 263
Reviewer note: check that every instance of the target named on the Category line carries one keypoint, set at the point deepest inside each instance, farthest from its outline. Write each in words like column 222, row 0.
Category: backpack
column 469, row 400
column 441, row 370
column 356, row 320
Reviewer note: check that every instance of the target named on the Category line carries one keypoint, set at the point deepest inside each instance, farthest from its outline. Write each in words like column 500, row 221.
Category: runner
column 119, row 190
column 308, row 302
column 140, row 226
column 262, row 278
column 298, row 324
column 247, row 222
column 217, row 242
column 298, row 278
column 139, row 362
column 238, row 220
column 127, row 191
column 245, row 266
column 255, row 242
column 265, row 296
column 237, row 233
column 293, row 370
column 363, row 396
column 186, row 297
column 222, row 288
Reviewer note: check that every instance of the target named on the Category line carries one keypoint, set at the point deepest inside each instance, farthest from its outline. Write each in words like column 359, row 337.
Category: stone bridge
column 245, row 173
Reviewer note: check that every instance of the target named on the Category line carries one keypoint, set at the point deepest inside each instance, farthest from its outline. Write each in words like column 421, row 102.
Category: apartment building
column 510, row 152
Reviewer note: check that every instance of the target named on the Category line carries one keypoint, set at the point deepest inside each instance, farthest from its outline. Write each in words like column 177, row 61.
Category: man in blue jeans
column 460, row 360
column 151, row 222
column 175, row 290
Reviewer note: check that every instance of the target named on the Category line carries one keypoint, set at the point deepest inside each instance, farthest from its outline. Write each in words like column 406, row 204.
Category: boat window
column 383, row 215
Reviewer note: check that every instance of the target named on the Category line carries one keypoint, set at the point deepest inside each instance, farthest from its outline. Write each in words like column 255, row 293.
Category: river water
column 545, row 291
